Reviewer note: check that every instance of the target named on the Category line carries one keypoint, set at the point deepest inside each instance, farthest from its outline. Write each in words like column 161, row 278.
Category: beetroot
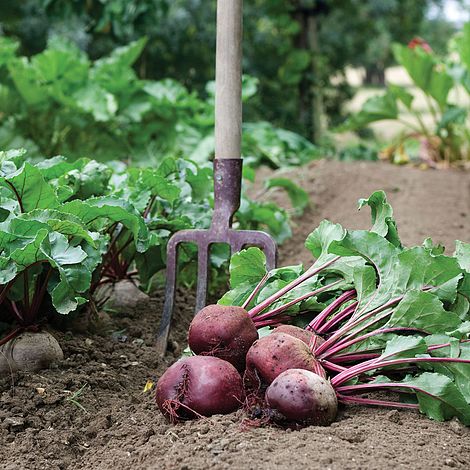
column 275, row 353
column 308, row 337
column 199, row 385
column 303, row 397
column 225, row 332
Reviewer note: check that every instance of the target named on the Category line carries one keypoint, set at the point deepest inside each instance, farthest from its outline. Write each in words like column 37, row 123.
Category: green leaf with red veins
column 320, row 239
column 237, row 295
column 247, row 266
column 319, row 242
column 53, row 220
column 403, row 347
column 99, row 212
column 158, row 185
column 30, row 189
column 458, row 372
column 399, row 271
column 8, row 270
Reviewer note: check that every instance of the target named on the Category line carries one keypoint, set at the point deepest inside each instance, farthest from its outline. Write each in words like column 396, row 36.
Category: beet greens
column 393, row 318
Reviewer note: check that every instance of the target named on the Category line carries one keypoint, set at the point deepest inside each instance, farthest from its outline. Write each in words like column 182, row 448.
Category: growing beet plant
column 389, row 317
column 51, row 237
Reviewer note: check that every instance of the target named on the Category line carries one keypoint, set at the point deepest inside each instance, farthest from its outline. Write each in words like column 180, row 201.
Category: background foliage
column 292, row 47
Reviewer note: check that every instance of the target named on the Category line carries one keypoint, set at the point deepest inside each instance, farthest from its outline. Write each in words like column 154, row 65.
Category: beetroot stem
column 445, row 345
column 347, row 327
column 332, row 366
column 339, row 317
column 339, row 347
column 370, row 401
column 281, row 308
column 375, row 364
column 322, row 316
column 271, row 322
column 306, row 275
column 255, row 291
column 356, row 357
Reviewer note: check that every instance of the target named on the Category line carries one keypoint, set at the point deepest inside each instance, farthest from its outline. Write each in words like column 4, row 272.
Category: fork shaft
column 228, row 75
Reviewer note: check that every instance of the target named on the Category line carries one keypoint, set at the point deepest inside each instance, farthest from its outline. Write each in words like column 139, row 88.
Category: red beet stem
column 325, row 313
column 306, row 275
column 281, row 308
column 375, row 364
column 349, row 326
column 338, row 318
column 255, row 291
column 363, row 356
column 369, row 401
column 272, row 321
column 344, row 345
column 331, row 366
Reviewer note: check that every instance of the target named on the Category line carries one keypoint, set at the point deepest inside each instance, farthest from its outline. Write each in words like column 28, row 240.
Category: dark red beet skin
column 199, row 384
column 304, row 335
column 303, row 397
column 225, row 332
column 275, row 353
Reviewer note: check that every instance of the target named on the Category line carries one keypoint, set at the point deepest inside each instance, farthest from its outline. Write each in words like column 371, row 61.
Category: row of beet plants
column 66, row 228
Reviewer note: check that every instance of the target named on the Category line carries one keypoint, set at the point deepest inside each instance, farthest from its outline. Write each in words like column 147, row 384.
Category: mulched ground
column 90, row 410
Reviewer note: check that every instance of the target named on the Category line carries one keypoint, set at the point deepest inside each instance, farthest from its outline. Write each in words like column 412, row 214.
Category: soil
column 90, row 410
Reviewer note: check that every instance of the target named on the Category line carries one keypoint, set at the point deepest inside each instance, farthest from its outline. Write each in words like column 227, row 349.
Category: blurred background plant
column 301, row 53
column 444, row 87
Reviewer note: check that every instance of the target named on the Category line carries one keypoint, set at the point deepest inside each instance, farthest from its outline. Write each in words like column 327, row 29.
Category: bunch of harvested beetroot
column 282, row 364
column 370, row 315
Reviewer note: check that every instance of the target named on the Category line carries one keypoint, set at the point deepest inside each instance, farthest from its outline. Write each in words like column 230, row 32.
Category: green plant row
column 61, row 102
column 68, row 227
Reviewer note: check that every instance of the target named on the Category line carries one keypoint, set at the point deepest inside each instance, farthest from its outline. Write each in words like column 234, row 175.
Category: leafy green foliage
column 43, row 247
column 446, row 139
column 178, row 195
column 68, row 227
column 61, row 102
column 393, row 317
column 180, row 34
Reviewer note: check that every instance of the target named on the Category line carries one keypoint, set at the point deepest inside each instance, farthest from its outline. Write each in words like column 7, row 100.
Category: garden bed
column 91, row 410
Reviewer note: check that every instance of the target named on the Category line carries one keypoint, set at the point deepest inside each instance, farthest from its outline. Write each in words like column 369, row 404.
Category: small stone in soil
column 457, row 427
column 15, row 424
column 394, row 416
column 119, row 337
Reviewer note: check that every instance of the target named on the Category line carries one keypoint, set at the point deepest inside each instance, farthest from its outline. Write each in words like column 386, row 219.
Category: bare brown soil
column 113, row 424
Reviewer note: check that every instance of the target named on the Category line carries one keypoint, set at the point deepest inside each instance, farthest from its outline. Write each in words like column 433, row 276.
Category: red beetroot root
column 308, row 337
column 225, row 332
column 273, row 354
column 199, row 386
column 303, row 397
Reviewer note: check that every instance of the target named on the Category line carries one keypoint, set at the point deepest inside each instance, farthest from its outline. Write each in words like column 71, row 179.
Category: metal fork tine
column 165, row 323
column 270, row 252
column 202, row 275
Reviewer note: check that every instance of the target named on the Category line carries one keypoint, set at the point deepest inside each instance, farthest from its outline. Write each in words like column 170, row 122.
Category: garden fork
column 227, row 171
